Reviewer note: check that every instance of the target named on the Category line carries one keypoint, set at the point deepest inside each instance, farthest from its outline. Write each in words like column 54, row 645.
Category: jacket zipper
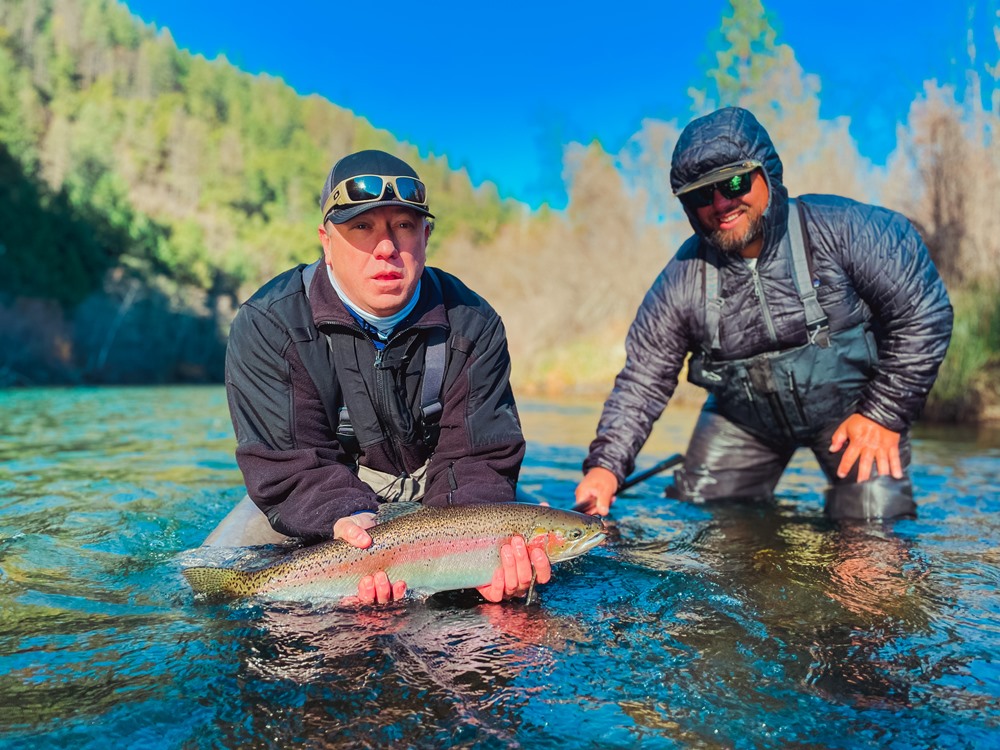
column 381, row 402
column 382, row 399
column 758, row 290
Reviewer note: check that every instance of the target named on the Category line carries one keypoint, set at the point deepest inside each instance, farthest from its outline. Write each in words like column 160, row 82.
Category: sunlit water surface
column 692, row 627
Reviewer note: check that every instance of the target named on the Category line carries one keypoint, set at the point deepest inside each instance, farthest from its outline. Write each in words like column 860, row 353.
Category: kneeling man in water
column 367, row 377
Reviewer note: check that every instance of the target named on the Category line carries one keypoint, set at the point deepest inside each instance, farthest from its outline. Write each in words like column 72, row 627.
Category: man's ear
column 324, row 241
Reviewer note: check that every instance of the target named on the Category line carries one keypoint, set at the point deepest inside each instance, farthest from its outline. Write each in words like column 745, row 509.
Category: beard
column 734, row 243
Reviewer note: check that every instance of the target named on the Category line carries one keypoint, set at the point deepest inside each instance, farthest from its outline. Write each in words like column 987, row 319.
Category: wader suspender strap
column 817, row 325
column 307, row 275
column 434, row 364
column 314, row 358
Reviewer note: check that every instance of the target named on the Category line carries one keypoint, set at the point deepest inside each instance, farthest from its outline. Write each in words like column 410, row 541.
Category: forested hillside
column 143, row 183
column 145, row 191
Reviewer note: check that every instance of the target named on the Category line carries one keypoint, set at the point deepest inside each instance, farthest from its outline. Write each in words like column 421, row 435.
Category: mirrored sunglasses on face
column 372, row 187
column 731, row 187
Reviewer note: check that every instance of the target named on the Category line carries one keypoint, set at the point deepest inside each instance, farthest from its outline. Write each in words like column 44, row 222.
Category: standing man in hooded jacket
column 818, row 322
column 367, row 377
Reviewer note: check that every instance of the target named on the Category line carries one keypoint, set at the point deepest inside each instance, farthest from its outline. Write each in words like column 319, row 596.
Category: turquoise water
column 725, row 628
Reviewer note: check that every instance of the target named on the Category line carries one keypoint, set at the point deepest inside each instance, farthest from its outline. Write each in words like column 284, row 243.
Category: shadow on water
column 694, row 626
column 446, row 673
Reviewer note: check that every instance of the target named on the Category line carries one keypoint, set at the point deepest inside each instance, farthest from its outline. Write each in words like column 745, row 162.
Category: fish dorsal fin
column 389, row 511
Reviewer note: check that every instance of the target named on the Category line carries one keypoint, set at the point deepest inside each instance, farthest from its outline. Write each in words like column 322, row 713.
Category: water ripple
column 694, row 626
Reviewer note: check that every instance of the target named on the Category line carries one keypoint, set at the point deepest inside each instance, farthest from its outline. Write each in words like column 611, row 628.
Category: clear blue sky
column 500, row 87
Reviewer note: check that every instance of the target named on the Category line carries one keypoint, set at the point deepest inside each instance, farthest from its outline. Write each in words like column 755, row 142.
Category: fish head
column 565, row 534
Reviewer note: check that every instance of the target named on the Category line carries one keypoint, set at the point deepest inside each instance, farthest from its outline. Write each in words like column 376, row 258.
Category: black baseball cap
column 361, row 163
column 720, row 174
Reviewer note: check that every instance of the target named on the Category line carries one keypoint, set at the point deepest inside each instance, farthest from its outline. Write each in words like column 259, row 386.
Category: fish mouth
column 596, row 541
column 580, row 546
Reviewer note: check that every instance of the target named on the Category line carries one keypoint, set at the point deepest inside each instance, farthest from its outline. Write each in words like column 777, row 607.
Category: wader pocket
column 793, row 390
column 744, row 391
column 762, row 375
column 702, row 371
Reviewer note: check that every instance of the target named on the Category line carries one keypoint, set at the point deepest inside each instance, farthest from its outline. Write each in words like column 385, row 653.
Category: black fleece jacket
column 294, row 467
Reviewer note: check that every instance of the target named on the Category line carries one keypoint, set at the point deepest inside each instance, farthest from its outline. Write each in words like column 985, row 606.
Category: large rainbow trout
column 431, row 549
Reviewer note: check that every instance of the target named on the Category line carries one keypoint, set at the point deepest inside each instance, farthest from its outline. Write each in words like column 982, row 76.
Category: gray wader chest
column 790, row 394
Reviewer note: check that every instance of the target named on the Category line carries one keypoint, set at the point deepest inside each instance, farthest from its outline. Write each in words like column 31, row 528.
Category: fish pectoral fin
column 532, row 596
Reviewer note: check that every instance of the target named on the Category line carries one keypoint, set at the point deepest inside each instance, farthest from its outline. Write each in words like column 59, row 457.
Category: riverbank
column 129, row 335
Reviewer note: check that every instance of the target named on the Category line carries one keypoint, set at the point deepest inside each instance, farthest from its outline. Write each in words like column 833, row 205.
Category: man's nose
column 719, row 201
column 386, row 245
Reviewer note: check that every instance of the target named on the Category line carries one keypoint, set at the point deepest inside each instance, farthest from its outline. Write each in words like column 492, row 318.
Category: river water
column 692, row 627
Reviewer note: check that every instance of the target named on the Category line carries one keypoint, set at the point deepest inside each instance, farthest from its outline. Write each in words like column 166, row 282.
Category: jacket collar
column 328, row 309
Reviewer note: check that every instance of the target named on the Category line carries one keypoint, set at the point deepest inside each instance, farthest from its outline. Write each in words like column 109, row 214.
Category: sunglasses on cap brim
column 369, row 188
column 731, row 187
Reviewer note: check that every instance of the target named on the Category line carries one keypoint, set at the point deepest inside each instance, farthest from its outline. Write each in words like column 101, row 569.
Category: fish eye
column 575, row 534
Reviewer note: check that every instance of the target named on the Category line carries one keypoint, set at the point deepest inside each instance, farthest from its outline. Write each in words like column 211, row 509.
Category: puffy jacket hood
column 729, row 135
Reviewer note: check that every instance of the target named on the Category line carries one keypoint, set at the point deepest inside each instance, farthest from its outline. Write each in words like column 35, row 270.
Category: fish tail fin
column 218, row 581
